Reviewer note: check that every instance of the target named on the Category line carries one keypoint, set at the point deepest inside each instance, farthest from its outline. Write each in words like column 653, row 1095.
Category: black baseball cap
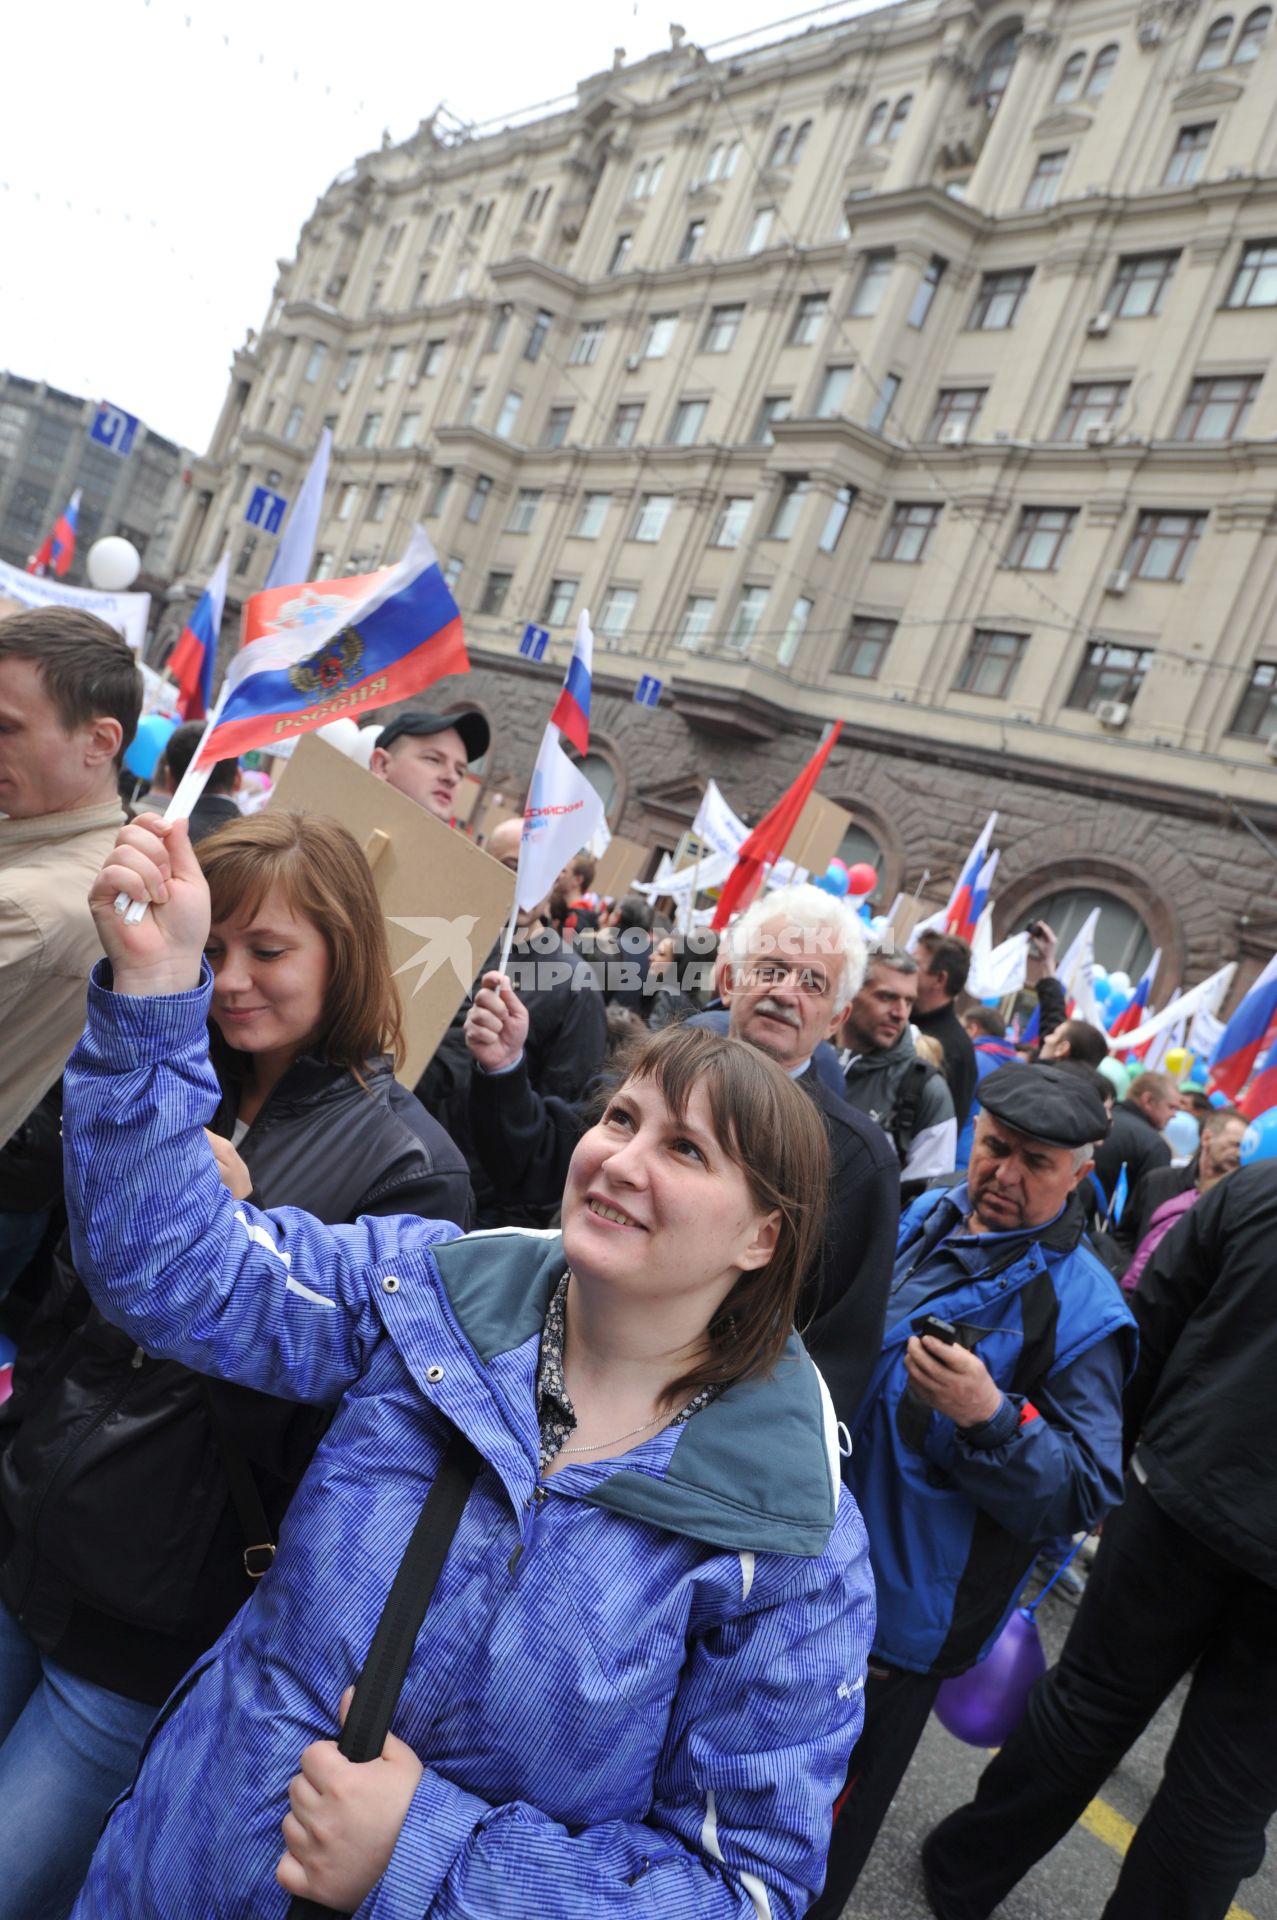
column 470, row 724
column 1048, row 1103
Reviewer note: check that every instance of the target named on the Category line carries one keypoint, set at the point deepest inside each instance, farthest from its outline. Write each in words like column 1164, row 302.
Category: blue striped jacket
column 645, row 1712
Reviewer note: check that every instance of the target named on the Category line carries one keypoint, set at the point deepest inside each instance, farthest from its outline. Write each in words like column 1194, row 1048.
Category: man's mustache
column 778, row 1012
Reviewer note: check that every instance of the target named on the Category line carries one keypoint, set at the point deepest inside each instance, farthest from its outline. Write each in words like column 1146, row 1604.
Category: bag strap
column 259, row 1543
column 378, row 1687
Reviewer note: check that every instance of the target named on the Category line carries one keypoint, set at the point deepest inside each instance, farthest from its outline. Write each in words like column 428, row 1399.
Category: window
column 452, row 572
column 808, row 320
column 590, row 515
column 1109, row 672
column 480, row 217
column 474, row 403
column 1091, row 403
column 760, row 229
column 315, row 361
column 495, row 589
column 689, row 418
column 431, row 359
column 330, row 424
column 1251, row 38
column 538, row 334
column 695, row 621
column 346, row 500
column 374, row 296
column 370, row 430
column 1163, row 545
column 498, row 329
column 876, row 124
column 1188, row 156
column 1044, row 186
column 1040, row 538
column 834, row 388
column 1139, row 286
column 1101, row 72
column 439, row 228
column 461, row 280
column 995, row 72
column 646, row 178
column 585, row 348
column 625, row 423
column 956, row 412
column 293, row 424
column 1214, row 51
column 349, row 368
column 895, row 126
column 658, row 336
column 780, row 147
column 523, row 513
column 691, row 242
column 926, row 293
column 439, row 499
column 998, row 301
column 285, row 357
column 558, row 603
column 1218, row 409
column 535, row 205
column 246, row 552
column 733, row 518
column 745, row 620
column 407, row 430
column 865, row 648
column 1255, row 282
column 557, row 423
column 799, row 147
column 909, row 531
column 325, row 564
column 379, row 505
column 618, row 611
column 775, row 407
column 888, row 388
column 872, row 284
column 620, row 252
column 1256, row 716
column 478, row 499
column 991, row 661
column 793, row 492
column 836, row 519
column 722, row 160
column 1070, row 84
column 721, row 329
column 508, row 416
column 394, row 363
column 795, row 628
column 653, row 512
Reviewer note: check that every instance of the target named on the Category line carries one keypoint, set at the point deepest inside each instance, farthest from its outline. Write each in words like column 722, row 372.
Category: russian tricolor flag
column 959, row 916
column 336, row 647
column 1252, row 1029
column 1132, row 1014
column 572, row 708
column 58, row 550
column 191, row 661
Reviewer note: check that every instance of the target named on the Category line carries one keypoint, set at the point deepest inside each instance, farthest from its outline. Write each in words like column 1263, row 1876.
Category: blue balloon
column 834, row 880
column 1259, row 1142
column 148, row 744
column 1218, row 1099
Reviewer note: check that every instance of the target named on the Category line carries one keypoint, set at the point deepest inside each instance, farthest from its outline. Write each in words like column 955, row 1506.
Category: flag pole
column 507, row 940
column 180, row 807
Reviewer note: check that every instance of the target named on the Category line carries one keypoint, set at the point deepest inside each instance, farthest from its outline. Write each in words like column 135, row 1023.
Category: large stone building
column 917, row 371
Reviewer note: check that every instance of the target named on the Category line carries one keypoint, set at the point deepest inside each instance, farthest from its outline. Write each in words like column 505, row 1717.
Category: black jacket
column 1162, row 1183
column 211, row 811
column 959, row 1056
column 1199, row 1409
column 120, row 1548
column 526, row 1143
column 1134, row 1142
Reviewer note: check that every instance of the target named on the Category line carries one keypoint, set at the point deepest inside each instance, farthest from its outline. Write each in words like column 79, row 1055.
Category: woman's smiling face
column 270, row 978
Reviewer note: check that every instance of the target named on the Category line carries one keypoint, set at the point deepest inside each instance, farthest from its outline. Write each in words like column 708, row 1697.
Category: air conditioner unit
column 953, row 433
column 1100, row 436
column 1113, row 714
column 1099, row 324
column 1272, row 746
column 633, row 362
column 1118, row 581
column 1149, row 33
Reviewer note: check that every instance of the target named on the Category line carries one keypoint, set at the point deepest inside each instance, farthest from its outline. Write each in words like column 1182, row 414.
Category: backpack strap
column 259, row 1542
column 903, row 1124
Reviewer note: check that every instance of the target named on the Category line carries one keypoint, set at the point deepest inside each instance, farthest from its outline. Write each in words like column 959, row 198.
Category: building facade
column 916, row 372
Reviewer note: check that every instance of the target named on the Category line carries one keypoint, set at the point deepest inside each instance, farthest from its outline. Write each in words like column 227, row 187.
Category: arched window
column 780, row 147
column 601, row 775
column 799, row 147
column 995, row 71
column 1251, row 37
column 715, row 167
column 1214, row 51
column 858, row 845
column 654, row 177
column 638, row 183
column 877, row 124
column 1070, row 79
column 1122, row 941
column 1102, row 71
column 898, row 118
column 730, row 159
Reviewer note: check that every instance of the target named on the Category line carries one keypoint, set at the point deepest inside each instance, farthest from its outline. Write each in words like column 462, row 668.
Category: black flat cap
column 1047, row 1103
column 470, row 724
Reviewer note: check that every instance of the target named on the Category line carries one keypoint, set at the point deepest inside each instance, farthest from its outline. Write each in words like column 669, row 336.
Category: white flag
column 562, row 814
column 996, row 971
column 1076, row 972
column 716, row 824
column 296, row 549
column 1208, row 994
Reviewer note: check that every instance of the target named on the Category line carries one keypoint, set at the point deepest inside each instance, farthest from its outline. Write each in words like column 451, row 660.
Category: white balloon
column 1121, row 982
column 114, row 564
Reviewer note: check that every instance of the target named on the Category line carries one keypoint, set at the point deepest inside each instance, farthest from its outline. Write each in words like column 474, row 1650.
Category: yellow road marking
column 1109, row 1826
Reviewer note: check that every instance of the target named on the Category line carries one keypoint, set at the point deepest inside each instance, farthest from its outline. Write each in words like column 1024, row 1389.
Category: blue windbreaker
column 647, row 1711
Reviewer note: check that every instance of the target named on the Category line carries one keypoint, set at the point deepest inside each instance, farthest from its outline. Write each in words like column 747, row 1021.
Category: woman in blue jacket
column 640, row 1677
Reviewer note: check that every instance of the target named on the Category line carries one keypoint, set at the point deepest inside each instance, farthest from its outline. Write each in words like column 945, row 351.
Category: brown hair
column 1218, row 1118
column 88, row 669
column 318, row 867
column 772, row 1131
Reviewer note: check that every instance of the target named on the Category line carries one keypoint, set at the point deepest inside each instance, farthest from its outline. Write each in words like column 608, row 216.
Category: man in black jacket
column 1185, row 1582
column 1135, row 1138
column 944, row 963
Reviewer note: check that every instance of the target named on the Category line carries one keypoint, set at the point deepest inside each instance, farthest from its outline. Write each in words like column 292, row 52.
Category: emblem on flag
column 332, row 668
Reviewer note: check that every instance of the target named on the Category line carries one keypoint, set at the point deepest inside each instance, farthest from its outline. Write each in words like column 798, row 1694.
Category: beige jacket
column 48, row 946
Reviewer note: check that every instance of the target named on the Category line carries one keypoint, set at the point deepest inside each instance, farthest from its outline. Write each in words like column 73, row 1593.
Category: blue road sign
column 648, row 691
column 266, row 510
column 114, row 429
column 534, row 642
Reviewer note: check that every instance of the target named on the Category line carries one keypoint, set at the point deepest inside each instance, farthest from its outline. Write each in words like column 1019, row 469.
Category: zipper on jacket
column 532, row 1505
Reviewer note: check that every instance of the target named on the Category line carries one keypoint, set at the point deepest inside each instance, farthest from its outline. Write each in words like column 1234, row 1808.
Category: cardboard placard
column 821, row 829
column 618, row 868
column 445, row 900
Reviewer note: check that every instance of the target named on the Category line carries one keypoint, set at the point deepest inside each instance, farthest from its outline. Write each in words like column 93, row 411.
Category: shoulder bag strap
column 259, row 1544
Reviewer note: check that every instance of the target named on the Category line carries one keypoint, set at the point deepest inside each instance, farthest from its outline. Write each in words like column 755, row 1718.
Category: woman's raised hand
column 152, row 862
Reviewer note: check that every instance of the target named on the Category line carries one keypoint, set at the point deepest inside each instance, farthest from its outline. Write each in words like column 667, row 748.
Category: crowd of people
column 773, row 1310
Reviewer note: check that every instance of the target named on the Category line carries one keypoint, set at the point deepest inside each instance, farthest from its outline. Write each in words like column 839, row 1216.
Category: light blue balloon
column 1259, row 1142
column 147, row 744
column 1182, row 1134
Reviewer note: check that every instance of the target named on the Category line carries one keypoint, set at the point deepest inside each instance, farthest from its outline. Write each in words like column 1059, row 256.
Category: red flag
column 766, row 843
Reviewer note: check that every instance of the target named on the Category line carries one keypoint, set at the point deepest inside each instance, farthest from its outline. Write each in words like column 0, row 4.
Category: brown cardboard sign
column 619, row 867
column 821, row 828
column 445, row 900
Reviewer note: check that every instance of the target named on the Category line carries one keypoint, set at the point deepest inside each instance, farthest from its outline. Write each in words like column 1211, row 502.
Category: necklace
column 663, row 1418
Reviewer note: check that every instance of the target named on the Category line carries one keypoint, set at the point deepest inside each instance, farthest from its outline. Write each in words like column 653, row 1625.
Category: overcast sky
column 158, row 156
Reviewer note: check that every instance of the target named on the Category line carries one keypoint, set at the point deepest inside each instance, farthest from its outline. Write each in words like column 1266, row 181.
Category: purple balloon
column 984, row 1705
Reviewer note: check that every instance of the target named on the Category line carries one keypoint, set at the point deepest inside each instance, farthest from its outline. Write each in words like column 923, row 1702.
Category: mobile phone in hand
column 938, row 1329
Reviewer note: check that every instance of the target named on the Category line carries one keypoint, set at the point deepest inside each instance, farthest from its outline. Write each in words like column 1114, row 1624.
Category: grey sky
column 158, row 156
